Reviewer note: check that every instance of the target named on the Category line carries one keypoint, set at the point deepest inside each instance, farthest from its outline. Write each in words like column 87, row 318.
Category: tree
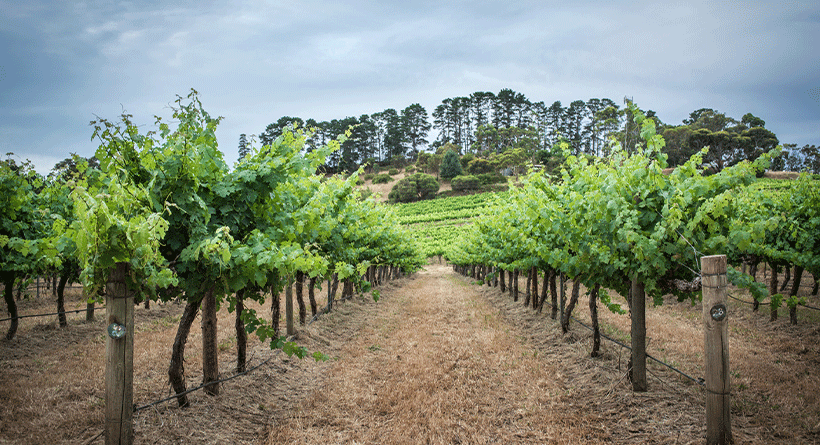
column 751, row 121
column 555, row 123
column 68, row 167
column 415, row 126
column 486, row 140
column 481, row 107
column 811, row 158
column 574, row 124
column 244, row 149
column 450, row 165
column 394, row 137
column 416, row 187
column 677, row 146
column 429, row 163
column 274, row 130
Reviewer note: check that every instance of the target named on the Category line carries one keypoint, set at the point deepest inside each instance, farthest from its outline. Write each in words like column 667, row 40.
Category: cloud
column 63, row 62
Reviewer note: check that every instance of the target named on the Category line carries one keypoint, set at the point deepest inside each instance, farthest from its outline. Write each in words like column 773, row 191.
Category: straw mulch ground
column 437, row 360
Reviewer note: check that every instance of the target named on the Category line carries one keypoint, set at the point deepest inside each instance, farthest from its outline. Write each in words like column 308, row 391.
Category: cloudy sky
column 64, row 62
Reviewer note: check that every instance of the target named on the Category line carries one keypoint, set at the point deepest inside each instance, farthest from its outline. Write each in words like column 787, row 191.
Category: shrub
column 369, row 176
column 491, row 178
column 450, row 165
column 466, row 159
column 479, row 165
column 359, row 181
column 465, row 182
column 415, row 187
column 409, row 170
column 382, row 178
column 392, row 172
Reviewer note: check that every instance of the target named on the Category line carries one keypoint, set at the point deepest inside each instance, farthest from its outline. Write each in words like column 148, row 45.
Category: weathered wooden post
column 638, row 330
column 119, row 358
column 716, row 334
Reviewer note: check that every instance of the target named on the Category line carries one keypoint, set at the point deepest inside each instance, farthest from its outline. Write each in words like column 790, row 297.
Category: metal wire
column 50, row 314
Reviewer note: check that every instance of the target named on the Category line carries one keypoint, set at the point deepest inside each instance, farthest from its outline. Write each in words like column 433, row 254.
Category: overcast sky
column 63, row 62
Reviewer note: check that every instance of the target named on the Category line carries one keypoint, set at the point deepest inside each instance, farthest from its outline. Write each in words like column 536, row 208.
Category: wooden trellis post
column 119, row 358
column 716, row 334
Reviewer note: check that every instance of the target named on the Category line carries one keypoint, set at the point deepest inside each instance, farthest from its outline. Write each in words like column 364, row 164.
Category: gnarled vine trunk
column 8, row 295
column 61, row 300
column 300, row 299
column 275, row 311
column 241, row 334
column 515, row 285
column 573, row 299
column 554, row 294
column 593, row 312
column 312, row 296
column 772, row 292
column 210, row 356
column 798, row 276
column 176, row 370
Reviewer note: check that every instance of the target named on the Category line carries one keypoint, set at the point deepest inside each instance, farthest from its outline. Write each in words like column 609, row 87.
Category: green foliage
column 369, row 176
column 450, row 165
column 392, row 172
column 167, row 202
column 480, row 165
column 491, row 178
column 465, row 182
column 610, row 220
column 382, row 178
column 465, row 160
column 416, row 187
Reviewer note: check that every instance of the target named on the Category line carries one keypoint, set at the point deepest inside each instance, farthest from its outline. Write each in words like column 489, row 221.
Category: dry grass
column 781, row 175
column 435, row 365
column 437, row 360
column 384, row 189
column 773, row 366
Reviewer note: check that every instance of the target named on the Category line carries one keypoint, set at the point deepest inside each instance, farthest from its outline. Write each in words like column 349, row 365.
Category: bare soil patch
column 384, row 189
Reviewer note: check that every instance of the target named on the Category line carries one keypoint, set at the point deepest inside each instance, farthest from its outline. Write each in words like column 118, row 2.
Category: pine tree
column 450, row 165
column 244, row 149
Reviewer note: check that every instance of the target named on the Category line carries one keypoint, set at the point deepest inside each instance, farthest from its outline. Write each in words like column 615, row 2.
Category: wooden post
column 716, row 330
column 289, row 307
column 638, row 328
column 119, row 359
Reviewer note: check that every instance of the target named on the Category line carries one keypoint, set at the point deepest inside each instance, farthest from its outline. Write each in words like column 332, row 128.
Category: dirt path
column 438, row 364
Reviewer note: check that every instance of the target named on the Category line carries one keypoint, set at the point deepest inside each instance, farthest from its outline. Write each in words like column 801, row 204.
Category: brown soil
column 781, row 175
column 382, row 190
column 436, row 360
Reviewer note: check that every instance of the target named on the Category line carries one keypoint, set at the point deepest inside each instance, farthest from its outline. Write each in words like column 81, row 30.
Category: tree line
column 485, row 123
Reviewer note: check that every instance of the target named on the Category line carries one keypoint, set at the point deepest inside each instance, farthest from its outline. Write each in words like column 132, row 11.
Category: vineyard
column 437, row 224
column 163, row 233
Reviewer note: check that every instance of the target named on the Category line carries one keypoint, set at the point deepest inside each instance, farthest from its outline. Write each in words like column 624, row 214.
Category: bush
column 415, row 187
column 450, row 165
column 466, row 159
column 359, row 181
column 479, row 165
column 369, row 176
column 491, row 178
column 382, row 178
column 392, row 172
column 410, row 169
column 465, row 182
